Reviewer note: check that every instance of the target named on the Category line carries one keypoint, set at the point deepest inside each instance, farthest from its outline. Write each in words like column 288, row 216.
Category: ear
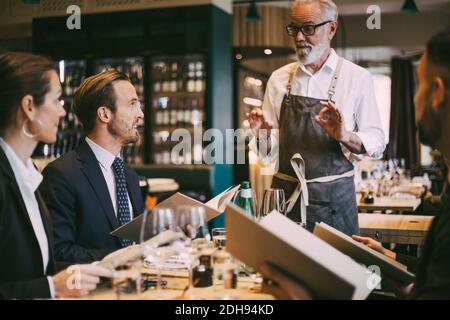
column 438, row 93
column 104, row 114
column 333, row 29
column 27, row 106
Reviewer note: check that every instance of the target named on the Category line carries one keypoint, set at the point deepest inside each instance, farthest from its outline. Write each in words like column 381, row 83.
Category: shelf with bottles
column 182, row 112
column 71, row 74
column 178, row 74
column 178, row 91
column 165, row 154
column 178, row 102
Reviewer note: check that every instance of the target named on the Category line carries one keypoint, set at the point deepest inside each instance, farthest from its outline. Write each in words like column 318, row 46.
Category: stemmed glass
column 162, row 219
column 192, row 221
column 273, row 199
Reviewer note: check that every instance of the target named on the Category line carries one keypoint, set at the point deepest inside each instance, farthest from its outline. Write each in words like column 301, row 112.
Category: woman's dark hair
column 21, row 74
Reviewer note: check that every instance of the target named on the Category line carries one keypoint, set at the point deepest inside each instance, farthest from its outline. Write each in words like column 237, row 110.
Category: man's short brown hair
column 438, row 53
column 94, row 92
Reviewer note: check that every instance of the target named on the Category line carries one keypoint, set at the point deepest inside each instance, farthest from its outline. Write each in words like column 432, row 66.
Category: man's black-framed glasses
column 307, row 29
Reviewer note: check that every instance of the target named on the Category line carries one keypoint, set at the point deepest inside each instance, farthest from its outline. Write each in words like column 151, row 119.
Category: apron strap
column 332, row 88
column 291, row 77
column 298, row 164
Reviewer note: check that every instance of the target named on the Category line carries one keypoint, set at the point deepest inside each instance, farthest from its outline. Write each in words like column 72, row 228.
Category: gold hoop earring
column 33, row 124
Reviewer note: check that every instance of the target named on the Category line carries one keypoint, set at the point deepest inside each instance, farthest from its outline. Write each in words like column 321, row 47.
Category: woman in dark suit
column 30, row 111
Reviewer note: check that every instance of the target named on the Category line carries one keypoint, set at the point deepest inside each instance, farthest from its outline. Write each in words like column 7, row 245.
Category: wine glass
column 161, row 219
column 192, row 221
column 273, row 199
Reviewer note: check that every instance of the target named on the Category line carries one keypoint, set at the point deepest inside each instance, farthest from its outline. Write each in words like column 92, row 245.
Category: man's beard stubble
column 430, row 128
column 123, row 131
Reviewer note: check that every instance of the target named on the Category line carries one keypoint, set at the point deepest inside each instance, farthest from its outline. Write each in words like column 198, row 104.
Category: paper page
column 220, row 201
column 132, row 229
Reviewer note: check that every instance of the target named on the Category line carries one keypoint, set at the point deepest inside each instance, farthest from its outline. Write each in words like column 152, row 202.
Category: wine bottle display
column 178, row 88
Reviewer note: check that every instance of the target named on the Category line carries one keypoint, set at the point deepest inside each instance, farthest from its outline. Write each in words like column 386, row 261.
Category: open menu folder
column 363, row 254
column 213, row 208
column 326, row 272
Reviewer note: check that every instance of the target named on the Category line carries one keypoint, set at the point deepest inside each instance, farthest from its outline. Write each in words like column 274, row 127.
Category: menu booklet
column 323, row 270
column 363, row 254
column 213, row 208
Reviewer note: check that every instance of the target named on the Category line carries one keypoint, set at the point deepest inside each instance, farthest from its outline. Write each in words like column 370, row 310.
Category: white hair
column 328, row 8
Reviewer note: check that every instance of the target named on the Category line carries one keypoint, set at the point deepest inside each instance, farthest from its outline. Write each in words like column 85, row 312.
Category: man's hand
column 258, row 123
column 375, row 245
column 281, row 286
column 402, row 290
column 332, row 121
column 78, row 280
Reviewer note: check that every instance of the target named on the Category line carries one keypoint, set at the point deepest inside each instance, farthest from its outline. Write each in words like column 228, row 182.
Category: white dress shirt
column 105, row 160
column 355, row 98
column 28, row 179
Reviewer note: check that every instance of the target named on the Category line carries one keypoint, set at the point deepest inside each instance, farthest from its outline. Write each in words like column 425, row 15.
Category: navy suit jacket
column 81, row 208
column 22, row 275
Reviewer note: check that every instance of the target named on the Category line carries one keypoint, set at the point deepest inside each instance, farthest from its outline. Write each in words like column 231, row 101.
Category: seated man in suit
column 90, row 191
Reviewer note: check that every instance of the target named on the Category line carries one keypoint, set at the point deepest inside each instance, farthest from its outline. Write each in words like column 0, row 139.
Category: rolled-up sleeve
column 367, row 117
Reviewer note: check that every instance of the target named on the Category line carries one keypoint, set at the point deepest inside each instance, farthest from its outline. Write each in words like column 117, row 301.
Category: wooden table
column 394, row 204
column 176, row 283
column 400, row 229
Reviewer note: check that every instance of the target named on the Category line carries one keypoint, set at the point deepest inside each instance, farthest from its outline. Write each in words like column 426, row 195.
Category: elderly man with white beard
column 319, row 116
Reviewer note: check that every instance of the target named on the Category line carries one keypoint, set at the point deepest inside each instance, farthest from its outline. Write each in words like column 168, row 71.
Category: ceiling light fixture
column 252, row 14
column 409, row 7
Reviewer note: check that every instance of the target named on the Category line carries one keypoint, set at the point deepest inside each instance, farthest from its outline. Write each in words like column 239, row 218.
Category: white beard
column 314, row 54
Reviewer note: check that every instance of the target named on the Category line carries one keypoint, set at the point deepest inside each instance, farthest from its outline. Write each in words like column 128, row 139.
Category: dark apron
column 310, row 160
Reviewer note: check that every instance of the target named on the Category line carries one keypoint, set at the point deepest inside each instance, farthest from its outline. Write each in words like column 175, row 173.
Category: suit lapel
column 8, row 172
column 91, row 169
column 46, row 220
column 132, row 192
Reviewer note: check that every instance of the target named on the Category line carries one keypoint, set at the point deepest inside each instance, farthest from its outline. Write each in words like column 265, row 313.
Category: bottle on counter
column 245, row 199
column 369, row 198
column 203, row 273
column 225, row 273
